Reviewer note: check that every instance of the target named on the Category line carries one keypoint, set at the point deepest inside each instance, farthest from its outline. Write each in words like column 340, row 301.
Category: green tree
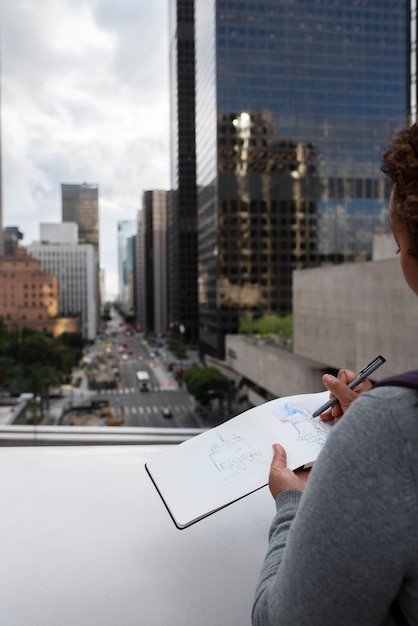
column 205, row 383
column 9, row 368
column 279, row 325
column 177, row 347
column 246, row 325
column 40, row 380
column 9, row 371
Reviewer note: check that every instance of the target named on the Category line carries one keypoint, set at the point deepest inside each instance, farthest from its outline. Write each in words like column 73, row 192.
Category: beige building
column 29, row 296
column 343, row 316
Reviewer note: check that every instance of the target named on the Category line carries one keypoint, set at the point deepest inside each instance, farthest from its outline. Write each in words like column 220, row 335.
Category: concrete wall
column 272, row 368
column 346, row 315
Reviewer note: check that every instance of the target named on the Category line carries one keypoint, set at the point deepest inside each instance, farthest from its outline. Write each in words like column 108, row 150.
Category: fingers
column 338, row 388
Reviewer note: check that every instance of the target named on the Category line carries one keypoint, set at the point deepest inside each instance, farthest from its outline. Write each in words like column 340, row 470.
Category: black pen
column 362, row 375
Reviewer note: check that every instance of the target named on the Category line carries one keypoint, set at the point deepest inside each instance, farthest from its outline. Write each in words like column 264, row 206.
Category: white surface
column 86, row 540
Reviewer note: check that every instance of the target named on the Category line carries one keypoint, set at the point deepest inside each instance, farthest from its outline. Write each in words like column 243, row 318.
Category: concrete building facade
column 76, row 268
column 29, row 296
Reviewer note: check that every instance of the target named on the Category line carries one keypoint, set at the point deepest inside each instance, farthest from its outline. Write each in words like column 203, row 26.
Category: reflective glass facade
column 294, row 102
column 183, row 308
column 80, row 204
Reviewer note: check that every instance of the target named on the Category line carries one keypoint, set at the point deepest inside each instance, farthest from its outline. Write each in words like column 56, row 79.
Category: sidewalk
column 165, row 378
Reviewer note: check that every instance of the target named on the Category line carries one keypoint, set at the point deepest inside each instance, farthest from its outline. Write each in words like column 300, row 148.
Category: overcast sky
column 84, row 89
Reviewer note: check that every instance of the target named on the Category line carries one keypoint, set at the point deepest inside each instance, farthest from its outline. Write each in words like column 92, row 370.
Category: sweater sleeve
column 338, row 552
column 286, row 503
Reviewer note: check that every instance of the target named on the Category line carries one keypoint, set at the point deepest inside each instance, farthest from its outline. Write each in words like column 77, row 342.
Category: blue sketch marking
column 312, row 431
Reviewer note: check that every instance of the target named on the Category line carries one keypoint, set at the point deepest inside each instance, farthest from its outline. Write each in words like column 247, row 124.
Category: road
column 145, row 408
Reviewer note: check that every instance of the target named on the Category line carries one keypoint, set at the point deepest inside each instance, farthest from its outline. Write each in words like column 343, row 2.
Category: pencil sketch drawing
column 233, row 456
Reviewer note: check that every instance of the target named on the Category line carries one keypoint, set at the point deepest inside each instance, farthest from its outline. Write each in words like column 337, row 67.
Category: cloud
column 84, row 99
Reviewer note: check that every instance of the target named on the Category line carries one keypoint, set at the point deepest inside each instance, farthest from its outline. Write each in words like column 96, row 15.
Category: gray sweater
column 342, row 550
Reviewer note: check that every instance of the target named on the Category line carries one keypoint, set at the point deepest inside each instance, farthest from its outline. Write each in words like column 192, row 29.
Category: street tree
column 206, row 383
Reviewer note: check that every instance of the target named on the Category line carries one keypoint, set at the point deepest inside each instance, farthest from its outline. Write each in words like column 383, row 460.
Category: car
column 167, row 412
column 125, row 357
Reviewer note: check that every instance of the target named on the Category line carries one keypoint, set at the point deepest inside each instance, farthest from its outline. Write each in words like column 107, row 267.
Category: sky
column 84, row 98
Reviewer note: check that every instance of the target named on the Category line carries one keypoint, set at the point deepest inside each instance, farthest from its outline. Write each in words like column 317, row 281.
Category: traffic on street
column 144, row 389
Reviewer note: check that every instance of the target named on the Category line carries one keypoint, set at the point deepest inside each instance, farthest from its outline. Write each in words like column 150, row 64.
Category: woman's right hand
column 338, row 388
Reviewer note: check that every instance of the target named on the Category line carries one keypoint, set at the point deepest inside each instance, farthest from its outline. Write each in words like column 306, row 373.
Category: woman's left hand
column 281, row 478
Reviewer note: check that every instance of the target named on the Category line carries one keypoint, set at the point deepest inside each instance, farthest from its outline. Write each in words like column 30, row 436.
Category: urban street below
column 162, row 402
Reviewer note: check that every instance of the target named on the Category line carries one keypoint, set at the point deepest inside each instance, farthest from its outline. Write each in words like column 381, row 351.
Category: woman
column 344, row 550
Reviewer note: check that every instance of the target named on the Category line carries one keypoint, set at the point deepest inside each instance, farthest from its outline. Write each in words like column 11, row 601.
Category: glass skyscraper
column 294, row 102
column 80, row 204
column 182, row 230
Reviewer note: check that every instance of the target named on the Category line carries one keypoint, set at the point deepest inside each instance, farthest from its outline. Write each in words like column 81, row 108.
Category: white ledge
column 11, row 435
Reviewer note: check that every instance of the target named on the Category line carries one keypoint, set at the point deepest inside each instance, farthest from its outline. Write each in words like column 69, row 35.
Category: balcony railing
column 11, row 435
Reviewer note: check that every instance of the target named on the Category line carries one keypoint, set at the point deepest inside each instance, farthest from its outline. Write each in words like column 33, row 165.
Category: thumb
column 281, row 478
column 333, row 384
column 279, row 457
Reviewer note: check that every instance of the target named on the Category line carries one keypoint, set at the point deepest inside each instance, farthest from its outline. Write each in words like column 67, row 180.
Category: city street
column 161, row 402
column 146, row 408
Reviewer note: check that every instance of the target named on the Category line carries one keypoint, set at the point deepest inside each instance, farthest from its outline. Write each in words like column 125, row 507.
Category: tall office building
column 138, row 272
column 75, row 265
column 154, row 262
column 126, row 230
column 183, row 202
column 11, row 237
column 80, row 204
column 294, row 102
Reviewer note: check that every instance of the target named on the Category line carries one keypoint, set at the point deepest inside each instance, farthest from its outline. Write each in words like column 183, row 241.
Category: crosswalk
column 156, row 409
column 127, row 390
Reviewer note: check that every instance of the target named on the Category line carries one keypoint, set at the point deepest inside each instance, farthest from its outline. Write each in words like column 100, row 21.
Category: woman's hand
column 281, row 478
column 337, row 386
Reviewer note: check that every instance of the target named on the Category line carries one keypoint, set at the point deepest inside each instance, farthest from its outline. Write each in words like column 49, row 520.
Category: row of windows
column 282, row 31
column 23, row 317
column 238, row 251
column 16, row 287
column 240, row 11
column 35, row 301
column 261, row 206
column 284, row 262
column 237, row 240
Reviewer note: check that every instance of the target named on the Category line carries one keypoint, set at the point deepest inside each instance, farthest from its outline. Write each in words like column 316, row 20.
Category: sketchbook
column 221, row 465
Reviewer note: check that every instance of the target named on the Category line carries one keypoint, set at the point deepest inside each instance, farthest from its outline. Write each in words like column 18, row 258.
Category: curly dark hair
column 400, row 163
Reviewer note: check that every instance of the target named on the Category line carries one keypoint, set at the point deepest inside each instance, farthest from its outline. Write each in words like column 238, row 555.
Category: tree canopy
column 33, row 361
column 279, row 325
column 205, row 383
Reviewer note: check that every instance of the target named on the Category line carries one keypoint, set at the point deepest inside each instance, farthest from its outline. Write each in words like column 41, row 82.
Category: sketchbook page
column 230, row 461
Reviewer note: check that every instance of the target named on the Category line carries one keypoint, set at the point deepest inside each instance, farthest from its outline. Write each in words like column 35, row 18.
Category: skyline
column 85, row 98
